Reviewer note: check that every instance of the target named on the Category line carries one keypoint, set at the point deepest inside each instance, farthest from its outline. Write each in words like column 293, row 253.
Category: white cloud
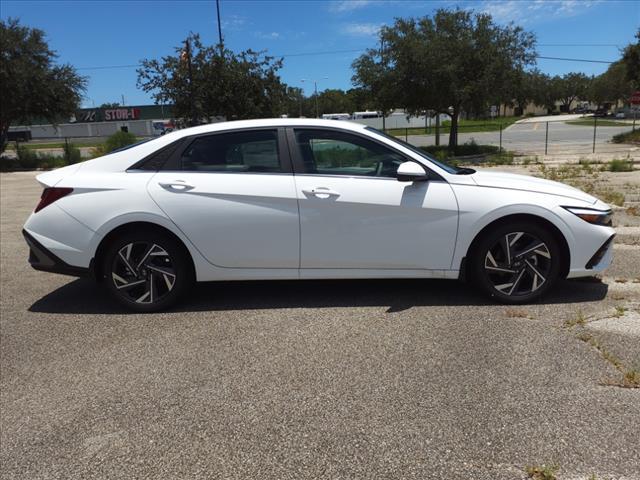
column 268, row 35
column 521, row 12
column 233, row 22
column 361, row 29
column 340, row 6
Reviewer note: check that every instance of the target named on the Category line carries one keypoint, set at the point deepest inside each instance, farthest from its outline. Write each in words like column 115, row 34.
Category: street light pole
column 315, row 90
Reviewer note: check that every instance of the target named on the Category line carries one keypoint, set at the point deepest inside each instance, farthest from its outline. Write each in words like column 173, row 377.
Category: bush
column 27, row 159
column 619, row 165
column 627, row 137
column 465, row 149
column 71, row 154
column 118, row 140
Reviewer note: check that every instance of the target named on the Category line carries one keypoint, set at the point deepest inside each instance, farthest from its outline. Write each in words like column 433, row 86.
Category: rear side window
column 236, row 152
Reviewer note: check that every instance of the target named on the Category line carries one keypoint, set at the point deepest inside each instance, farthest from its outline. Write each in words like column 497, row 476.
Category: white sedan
column 306, row 199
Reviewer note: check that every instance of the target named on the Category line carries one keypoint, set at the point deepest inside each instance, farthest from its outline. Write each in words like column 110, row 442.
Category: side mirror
column 412, row 172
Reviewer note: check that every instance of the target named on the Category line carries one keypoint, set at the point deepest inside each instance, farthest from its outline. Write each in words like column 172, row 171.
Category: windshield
column 446, row 167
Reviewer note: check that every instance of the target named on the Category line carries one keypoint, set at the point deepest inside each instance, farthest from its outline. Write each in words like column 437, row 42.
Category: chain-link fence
column 530, row 137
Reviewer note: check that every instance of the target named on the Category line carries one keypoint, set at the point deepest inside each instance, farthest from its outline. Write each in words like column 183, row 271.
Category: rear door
column 233, row 195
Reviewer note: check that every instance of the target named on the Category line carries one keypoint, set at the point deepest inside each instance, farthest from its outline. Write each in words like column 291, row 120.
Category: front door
column 233, row 195
column 355, row 214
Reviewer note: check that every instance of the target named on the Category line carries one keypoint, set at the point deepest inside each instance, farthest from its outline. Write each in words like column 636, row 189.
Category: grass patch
column 620, row 165
column 600, row 123
column 464, row 126
column 630, row 378
column 611, row 196
column 579, row 319
column 39, row 146
column 541, row 472
column 619, row 312
column 627, row 137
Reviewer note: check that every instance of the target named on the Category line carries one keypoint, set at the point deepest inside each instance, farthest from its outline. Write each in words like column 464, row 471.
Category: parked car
column 306, row 199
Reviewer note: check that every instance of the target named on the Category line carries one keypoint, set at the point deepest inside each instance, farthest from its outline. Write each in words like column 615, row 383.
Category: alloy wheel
column 143, row 272
column 518, row 264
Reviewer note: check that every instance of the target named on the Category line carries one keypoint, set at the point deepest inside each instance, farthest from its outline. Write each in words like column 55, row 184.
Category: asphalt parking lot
column 349, row 379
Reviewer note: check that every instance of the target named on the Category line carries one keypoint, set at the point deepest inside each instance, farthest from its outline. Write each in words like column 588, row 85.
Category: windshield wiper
column 465, row 171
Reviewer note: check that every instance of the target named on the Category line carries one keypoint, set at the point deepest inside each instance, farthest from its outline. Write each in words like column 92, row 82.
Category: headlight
column 596, row 217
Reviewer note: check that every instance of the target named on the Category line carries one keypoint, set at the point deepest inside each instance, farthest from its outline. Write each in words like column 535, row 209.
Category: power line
column 572, row 59
column 333, row 52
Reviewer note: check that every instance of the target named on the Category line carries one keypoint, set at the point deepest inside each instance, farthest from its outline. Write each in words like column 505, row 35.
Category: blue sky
column 106, row 33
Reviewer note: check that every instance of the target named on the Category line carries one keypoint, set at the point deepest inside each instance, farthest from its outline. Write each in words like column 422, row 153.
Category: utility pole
column 190, row 74
column 219, row 30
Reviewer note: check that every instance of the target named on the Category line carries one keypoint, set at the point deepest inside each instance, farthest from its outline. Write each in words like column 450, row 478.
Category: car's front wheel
column 147, row 272
column 517, row 263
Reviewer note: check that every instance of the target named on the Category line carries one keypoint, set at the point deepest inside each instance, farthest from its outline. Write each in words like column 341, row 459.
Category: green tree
column 571, row 87
column 335, row 101
column 454, row 61
column 32, row 85
column 202, row 83
column 631, row 61
column 611, row 86
column 110, row 105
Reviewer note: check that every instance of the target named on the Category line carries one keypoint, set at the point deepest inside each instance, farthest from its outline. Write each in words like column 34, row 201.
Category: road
column 308, row 380
column 529, row 138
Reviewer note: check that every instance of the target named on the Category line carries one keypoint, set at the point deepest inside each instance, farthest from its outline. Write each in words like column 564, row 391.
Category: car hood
column 530, row 184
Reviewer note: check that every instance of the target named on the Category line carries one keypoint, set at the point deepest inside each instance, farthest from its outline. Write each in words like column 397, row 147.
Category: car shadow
column 85, row 297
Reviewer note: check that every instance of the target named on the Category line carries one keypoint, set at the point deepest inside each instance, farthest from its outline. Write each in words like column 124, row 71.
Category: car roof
column 267, row 122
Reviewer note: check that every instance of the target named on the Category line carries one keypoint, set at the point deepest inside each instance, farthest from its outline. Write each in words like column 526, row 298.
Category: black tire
column 147, row 271
column 520, row 272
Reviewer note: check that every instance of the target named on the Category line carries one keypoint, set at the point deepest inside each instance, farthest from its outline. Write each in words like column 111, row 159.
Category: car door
column 355, row 214
column 232, row 194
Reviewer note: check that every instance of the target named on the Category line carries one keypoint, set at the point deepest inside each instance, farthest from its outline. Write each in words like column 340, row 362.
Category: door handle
column 321, row 192
column 176, row 185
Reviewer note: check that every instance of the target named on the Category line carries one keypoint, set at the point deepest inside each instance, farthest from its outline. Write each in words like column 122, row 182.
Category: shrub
column 620, row 165
column 71, row 154
column 627, row 137
column 27, row 159
column 118, row 140
column 469, row 148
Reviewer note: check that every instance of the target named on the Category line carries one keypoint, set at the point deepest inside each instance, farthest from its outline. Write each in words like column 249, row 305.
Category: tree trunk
column 453, row 131
column 4, row 130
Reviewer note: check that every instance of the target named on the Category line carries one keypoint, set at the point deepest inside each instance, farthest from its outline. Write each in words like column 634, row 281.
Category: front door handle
column 176, row 186
column 321, row 192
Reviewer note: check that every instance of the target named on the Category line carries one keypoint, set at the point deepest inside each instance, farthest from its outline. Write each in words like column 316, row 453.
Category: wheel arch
column 112, row 235
column 528, row 217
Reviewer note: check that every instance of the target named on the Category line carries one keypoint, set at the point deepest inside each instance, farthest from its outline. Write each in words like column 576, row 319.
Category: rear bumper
column 40, row 258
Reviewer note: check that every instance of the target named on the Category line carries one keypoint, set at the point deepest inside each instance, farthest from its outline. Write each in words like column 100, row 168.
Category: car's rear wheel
column 517, row 263
column 147, row 272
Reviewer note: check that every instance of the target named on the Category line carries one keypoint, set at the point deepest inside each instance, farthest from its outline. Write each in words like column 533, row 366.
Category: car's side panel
column 480, row 206
column 235, row 220
column 376, row 223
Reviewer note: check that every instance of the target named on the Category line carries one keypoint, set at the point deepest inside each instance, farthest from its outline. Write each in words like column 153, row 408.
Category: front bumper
column 42, row 259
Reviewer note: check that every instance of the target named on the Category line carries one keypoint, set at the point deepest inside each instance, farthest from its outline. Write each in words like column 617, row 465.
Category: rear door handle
column 321, row 192
column 176, row 186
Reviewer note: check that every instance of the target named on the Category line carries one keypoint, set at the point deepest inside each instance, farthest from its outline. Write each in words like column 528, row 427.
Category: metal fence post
column 595, row 122
column 500, row 149
column 406, row 134
column 546, row 139
column 633, row 127
column 437, row 129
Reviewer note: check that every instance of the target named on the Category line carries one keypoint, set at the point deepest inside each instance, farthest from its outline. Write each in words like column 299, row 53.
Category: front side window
column 328, row 152
column 249, row 151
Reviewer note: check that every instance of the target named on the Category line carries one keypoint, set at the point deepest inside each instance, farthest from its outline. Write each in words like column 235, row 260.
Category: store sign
column 112, row 114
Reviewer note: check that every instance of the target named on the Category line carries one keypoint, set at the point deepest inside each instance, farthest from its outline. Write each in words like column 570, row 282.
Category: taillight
column 50, row 195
